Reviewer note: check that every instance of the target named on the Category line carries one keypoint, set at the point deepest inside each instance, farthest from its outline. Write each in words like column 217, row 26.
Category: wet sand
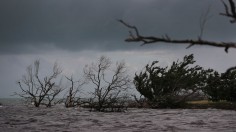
column 23, row 119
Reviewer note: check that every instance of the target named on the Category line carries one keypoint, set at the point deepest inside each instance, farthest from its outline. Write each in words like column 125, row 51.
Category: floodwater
column 17, row 118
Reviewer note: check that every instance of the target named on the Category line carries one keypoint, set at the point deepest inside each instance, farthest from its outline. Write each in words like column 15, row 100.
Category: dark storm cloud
column 31, row 25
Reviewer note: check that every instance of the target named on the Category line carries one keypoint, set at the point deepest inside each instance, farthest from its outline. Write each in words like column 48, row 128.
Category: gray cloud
column 64, row 24
column 34, row 26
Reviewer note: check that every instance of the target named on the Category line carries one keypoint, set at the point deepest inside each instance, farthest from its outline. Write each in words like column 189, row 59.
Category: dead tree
column 230, row 11
column 71, row 99
column 107, row 92
column 39, row 91
column 52, row 94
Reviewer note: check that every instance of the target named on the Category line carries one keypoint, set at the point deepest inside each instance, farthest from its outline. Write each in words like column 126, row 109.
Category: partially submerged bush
column 222, row 86
column 40, row 91
column 108, row 91
column 72, row 99
column 171, row 87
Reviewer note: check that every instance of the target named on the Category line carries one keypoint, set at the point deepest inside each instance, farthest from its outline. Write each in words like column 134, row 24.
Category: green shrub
column 171, row 87
column 221, row 86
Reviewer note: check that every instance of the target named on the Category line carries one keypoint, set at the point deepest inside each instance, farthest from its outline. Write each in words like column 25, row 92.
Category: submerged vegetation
column 109, row 92
column 172, row 87
column 178, row 86
column 40, row 90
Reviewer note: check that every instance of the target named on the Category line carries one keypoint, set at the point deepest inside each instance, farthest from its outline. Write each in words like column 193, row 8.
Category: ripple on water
column 62, row 119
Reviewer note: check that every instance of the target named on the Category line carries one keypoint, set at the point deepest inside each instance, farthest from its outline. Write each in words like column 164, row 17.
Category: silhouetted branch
column 71, row 99
column 107, row 93
column 230, row 10
column 166, row 39
column 39, row 91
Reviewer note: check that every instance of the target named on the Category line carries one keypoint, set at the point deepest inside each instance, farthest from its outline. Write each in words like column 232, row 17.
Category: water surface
column 21, row 118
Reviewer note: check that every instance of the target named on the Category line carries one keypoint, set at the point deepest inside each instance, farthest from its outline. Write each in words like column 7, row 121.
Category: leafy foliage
column 222, row 86
column 170, row 87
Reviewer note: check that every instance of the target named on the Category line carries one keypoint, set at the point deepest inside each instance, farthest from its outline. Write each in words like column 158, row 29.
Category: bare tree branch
column 39, row 91
column 166, row 39
column 230, row 10
column 203, row 20
column 107, row 91
column 71, row 99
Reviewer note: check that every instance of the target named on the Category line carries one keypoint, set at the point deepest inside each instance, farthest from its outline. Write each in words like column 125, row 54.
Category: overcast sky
column 77, row 32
